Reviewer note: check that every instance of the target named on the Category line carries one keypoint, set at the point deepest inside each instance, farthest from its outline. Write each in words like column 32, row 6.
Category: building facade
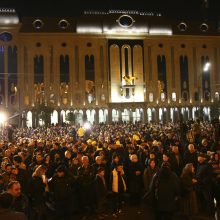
column 108, row 66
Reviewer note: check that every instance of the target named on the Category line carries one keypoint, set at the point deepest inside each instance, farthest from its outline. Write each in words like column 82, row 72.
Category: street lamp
column 3, row 119
column 205, row 69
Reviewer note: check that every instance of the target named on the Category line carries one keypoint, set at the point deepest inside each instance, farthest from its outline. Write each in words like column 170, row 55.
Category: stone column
column 109, row 118
column 96, row 119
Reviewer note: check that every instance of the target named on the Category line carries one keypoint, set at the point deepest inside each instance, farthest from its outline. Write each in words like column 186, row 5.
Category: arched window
column 196, row 96
column 151, row 97
column 173, row 96
column 185, row 96
column 216, row 96
column 162, row 96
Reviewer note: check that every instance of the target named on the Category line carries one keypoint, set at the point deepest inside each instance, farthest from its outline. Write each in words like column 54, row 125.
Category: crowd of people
column 61, row 171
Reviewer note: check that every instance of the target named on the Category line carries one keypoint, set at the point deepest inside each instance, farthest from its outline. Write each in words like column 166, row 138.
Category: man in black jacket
column 20, row 201
column 6, row 200
column 165, row 186
column 204, row 176
column 101, row 192
column 85, row 180
column 61, row 187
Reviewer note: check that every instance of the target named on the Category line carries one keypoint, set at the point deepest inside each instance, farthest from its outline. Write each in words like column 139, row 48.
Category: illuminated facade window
column 217, row 96
column 151, row 97
column 162, row 96
column 173, row 96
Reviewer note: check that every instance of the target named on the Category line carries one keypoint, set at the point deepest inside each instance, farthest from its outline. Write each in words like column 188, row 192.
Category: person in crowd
column 188, row 181
column 135, row 181
column 6, row 213
column 118, row 187
column 190, row 155
column 49, row 165
column 204, row 176
column 38, row 187
column 85, row 180
column 117, row 142
column 166, row 187
column 22, row 175
column 38, row 159
column 61, row 189
column 196, row 130
column 204, row 146
column 165, row 159
column 6, row 174
column 14, row 173
column 176, row 160
column 143, row 153
column 115, row 160
column 2, row 186
column 20, row 200
column 152, row 155
column 148, row 174
column 215, row 162
column 98, row 163
column 74, row 166
column 101, row 192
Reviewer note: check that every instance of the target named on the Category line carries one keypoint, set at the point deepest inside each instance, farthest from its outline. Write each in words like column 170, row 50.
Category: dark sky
column 192, row 9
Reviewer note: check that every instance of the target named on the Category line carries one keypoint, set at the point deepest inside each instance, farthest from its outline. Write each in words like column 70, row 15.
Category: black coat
column 8, row 214
column 135, row 182
column 205, row 176
column 190, row 158
column 100, row 188
column 37, row 191
column 168, row 190
column 61, row 187
column 176, row 166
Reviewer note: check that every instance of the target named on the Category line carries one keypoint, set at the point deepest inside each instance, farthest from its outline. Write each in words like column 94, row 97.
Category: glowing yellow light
column 3, row 117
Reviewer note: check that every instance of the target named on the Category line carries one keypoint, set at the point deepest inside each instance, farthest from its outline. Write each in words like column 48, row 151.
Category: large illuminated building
column 108, row 66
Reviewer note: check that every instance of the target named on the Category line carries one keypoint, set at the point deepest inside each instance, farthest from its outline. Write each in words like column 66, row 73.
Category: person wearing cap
column 204, row 175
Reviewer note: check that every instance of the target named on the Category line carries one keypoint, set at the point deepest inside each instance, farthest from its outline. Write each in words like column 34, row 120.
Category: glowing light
column 89, row 30
column 87, row 125
column 206, row 67
column 120, row 30
column 160, row 31
column 3, row 117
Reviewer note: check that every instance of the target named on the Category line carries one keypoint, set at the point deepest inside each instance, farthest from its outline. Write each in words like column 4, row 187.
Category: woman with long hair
column 149, row 172
column 37, row 191
column 189, row 204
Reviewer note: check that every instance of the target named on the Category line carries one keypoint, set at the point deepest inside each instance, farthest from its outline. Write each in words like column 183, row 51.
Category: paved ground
column 131, row 213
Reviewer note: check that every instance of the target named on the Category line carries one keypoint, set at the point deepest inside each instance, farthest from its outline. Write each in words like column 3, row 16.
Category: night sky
column 181, row 9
